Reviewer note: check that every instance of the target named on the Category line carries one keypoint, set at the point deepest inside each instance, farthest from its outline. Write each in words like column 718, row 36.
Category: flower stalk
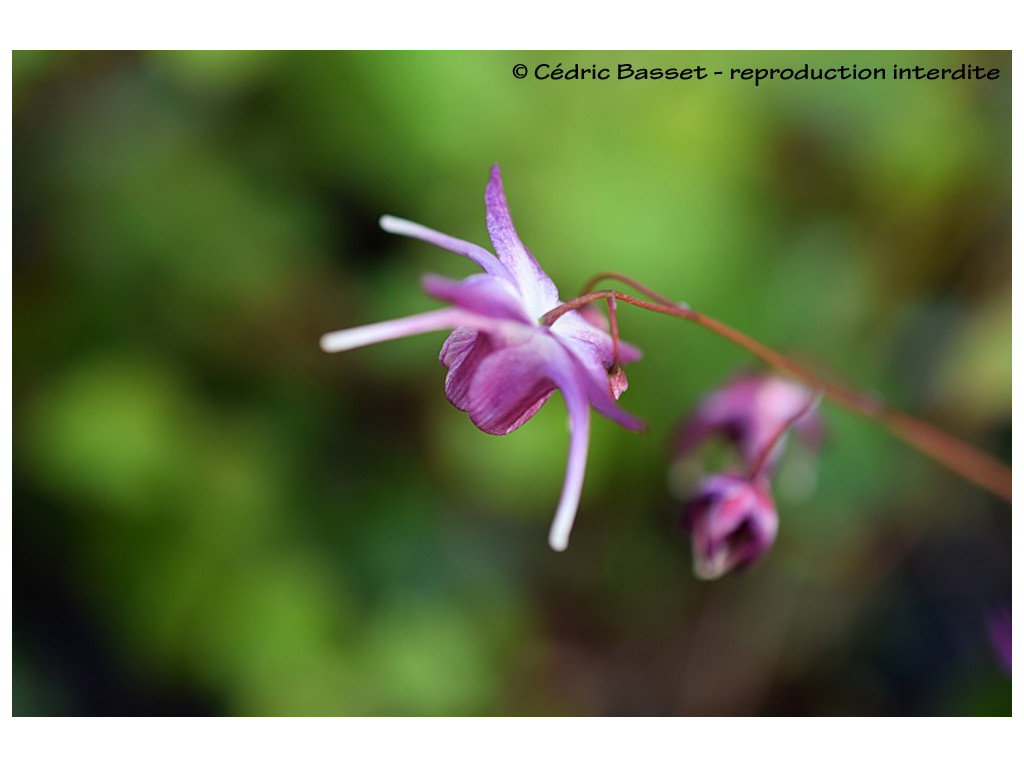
column 963, row 459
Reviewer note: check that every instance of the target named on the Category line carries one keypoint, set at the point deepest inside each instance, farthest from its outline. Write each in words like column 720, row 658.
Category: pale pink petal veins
column 508, row 385
column 463, row 353
column 538, row 290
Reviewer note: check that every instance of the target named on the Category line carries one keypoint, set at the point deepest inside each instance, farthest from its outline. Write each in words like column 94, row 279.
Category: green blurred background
column 213, row 517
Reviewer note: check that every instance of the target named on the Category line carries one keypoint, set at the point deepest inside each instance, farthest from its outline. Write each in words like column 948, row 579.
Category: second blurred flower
column 732, row 517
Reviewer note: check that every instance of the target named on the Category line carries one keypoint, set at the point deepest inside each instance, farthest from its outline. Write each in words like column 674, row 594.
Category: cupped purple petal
column 462, row 352
column 733, row 522
column 483, row 294
column 501, row 384
column 538, row 290
column 503, row 388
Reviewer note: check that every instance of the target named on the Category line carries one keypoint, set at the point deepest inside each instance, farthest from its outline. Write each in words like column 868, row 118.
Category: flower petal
column 724, row 410
column 480, row 256
column 462, row 354
column 437, row 320
column 575, row 469
column 457, row 346
column 538, row 290
column 733, row 523
column 777, row 402
column 599, row 388
column 578, row 326
column 503, row 386
column 750, row 411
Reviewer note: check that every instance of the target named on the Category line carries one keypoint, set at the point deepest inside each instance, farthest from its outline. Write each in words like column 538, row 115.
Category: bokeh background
column 213, row 517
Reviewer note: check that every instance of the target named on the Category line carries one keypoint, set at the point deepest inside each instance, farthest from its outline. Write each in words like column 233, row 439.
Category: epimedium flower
column 731, row 517
column 503, row 361
column 732, row 522
column 753, row 412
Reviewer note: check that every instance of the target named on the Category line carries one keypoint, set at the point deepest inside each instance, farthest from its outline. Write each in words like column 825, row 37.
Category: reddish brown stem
column 964, row 459
column 613, row 325
column 626, row 280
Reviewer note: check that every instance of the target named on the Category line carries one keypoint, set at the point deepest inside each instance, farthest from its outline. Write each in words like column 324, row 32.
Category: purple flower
column 503, row 364
column 752, row 412
column 732, row 521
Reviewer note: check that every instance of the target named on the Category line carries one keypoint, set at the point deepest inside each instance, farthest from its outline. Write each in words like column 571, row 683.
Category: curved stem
column 962, row 458
column 626, row 280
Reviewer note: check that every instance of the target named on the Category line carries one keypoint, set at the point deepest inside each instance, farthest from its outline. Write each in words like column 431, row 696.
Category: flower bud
column 733, row 523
